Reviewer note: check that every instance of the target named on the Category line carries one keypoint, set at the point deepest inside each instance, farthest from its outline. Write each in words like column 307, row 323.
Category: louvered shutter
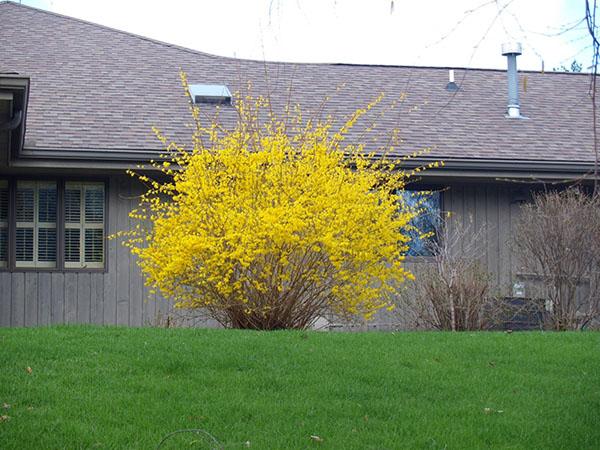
column 93, row 226
column 3, row 223
column 72, row 225
column 84, row 225
column 35, row 243
column 46, row 232
column 25, row 213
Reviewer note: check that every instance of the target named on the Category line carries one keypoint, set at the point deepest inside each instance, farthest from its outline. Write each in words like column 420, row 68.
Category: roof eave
column 485, row 168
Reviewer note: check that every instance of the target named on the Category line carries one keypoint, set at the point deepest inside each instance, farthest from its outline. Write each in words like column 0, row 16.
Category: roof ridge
column 211, row 55
column 106, row 27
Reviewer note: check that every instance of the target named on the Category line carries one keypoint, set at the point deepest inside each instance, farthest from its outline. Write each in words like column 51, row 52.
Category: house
column 78, row 101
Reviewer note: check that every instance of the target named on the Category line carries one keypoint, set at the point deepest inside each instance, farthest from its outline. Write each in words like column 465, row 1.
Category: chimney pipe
column 451, row 86
column 511, row 51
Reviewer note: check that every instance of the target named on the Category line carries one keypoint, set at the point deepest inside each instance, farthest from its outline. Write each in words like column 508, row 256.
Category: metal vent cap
column 512, row 48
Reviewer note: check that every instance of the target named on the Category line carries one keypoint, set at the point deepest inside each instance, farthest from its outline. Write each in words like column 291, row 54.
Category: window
column 424, row 226
column 3, row 223
column 35, row 240
column 210, row 93
column 36, row 234
column 84, row 225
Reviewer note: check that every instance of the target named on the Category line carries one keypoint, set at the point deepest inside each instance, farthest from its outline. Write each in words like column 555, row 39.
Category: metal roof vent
column 511, row 50
column 210, row 93
column 451, row 86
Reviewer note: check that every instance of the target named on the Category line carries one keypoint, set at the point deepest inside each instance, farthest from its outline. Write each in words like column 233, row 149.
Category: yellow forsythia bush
column 273, row 224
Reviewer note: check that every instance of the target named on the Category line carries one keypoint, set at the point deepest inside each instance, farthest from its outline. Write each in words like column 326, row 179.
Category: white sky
column 415, row 32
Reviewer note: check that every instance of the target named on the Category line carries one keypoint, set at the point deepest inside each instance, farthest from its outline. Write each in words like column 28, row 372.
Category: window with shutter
column 3, row 223
column 35, row 210
column 84, row 225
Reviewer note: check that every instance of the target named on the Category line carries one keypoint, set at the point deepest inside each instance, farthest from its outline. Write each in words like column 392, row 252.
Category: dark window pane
column 47, row 204
column 3, row 204
column 94, row 205
column 46, row 244
column 72, row 245
column 425, row 224
column 94, row 245
column 24, row 244
column 72, row 205
column 25, row 204
column 3, row 244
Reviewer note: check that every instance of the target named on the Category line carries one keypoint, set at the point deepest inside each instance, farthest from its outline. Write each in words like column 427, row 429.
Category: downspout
column 12, row 123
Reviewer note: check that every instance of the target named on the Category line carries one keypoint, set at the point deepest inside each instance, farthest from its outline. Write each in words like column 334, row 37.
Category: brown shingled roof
column 96, row 88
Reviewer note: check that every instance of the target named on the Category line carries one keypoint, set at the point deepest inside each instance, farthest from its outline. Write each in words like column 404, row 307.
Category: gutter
column 471, row 168
column 91, row 154
column 511, row 165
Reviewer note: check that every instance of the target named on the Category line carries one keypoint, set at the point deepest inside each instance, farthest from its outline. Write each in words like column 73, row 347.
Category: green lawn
column 93, row 387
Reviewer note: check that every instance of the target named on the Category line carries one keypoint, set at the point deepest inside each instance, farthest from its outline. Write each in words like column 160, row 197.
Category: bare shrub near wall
column 557, row 239
column 452, row 291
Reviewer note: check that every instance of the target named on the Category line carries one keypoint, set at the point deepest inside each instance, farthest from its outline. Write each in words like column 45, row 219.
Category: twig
column 191, row 430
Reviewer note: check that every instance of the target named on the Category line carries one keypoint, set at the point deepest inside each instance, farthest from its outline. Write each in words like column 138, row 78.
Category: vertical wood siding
column 119, row 297
column 490, row 212
column 487, row 211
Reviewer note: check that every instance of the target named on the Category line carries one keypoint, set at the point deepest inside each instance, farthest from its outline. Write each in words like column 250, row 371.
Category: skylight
column 210, row 93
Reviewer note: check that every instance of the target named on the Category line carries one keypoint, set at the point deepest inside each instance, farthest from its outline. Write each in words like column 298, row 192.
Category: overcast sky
column 461, row 33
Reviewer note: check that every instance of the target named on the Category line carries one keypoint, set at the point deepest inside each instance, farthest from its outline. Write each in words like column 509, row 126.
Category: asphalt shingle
column 93, row 87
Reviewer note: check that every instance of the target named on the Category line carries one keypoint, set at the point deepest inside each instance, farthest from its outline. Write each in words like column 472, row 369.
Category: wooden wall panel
column 110, row 277
column 492, row 234
column 45, row 298
column 70, row 297
column 5, row 299
column 515, row 212
column 122, row 265
column 480, row 224
column 119, row 295
column 97, row 298
column 18, row 299
column 136, row 288
column 504, row 227
column 58, row 298
column 31, row 299
column 83, row 297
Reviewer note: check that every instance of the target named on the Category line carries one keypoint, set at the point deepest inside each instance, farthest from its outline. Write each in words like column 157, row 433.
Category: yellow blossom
column 273, row 223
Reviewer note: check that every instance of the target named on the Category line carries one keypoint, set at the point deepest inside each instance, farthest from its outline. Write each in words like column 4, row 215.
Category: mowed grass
column 93, row 387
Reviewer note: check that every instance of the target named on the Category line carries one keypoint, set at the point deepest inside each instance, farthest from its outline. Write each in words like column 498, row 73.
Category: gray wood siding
column 486, row 207
column 115, row 297
column 490, row 211
column 119, row 296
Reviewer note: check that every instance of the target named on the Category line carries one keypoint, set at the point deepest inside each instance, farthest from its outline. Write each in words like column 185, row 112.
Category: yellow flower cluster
column 270, row 225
